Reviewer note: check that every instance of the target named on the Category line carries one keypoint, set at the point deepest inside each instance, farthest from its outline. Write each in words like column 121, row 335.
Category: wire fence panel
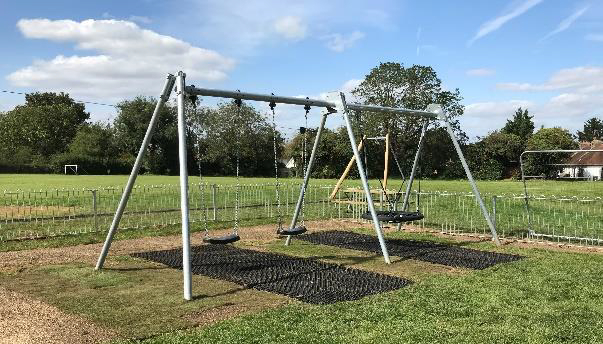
column 41, row 214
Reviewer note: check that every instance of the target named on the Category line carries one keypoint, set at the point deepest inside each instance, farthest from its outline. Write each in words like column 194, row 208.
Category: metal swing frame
column 335, row 103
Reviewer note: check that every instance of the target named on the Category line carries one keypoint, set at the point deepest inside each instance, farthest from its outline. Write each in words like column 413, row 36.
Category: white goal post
column 72, row 168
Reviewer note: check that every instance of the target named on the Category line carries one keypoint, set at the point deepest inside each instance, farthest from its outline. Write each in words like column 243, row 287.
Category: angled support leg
column 365, row 185
column 302, row 192
column 414, row 166
column 476, row 193
column 165, row 95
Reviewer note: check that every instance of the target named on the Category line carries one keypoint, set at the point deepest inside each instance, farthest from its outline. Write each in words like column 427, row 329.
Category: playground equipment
column 293, row 230
column 234, row 235
column 335, row 103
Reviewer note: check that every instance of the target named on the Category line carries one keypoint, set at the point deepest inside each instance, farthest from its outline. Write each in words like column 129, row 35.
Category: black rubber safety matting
column 445, row 254
column 305, row 279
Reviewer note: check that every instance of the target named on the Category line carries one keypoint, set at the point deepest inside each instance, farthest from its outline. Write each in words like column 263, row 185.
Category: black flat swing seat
column 222, row 240
column 394, row 216
column 292, row 231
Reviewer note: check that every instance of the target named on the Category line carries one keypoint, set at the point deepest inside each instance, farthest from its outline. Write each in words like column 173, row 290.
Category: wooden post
column 386, row 166
column 345, row 173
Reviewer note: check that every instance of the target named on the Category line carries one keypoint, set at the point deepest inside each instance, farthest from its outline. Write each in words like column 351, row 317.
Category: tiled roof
column 587, row 158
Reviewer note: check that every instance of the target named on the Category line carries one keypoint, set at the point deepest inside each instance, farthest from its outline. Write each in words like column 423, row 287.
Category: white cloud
column 245, row 28
column 597, row 37
column 338, row 42
column 496, row 23
column 566, row 23
column 480, row 72
column 350, row 85
column 579, row 100
column 582, row 79
column 481, row 118
column 126, row 60
column 290, row 27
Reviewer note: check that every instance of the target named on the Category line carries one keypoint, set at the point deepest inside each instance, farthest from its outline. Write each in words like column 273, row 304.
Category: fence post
column 94, row 209
column 213, row 201
column 494, row 211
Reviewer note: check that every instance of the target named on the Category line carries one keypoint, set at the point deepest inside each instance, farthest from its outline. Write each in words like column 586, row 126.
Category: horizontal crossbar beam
column 258, row 97
column 207, row 92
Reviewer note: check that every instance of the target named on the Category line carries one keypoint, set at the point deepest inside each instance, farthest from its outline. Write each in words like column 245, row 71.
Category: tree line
column 51, row 129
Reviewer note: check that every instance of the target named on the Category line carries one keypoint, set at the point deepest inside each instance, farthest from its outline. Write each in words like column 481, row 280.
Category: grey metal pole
column 414, row 166
column 165, row 95
column 367, row 191
column 476, row 193
column 186, row 239
column 302, row 192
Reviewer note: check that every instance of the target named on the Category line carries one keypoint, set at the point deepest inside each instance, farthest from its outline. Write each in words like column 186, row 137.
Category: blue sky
column 542, row 54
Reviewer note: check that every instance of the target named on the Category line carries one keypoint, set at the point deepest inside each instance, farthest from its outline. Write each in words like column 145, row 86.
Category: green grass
column 56, row 181
column 549, row 297
column 47, row 213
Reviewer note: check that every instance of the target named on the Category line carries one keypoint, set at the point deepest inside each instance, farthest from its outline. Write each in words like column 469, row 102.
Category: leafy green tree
column 332, row 155
column 593, row 130
column 392, row 84
column 546, row 163
column 496, row 156
column 131, row 125
column 221, row 133
column 521, row 124
column 43, row 126
column 94, row 149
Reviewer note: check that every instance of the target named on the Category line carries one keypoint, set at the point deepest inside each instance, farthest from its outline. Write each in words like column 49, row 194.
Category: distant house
column 584, row 165
column 289, row 169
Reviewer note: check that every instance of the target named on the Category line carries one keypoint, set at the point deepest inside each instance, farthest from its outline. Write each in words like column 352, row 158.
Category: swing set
column 392, row 214
column 335, row 103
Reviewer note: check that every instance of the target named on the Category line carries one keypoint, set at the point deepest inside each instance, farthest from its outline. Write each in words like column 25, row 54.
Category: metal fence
column 40, row 214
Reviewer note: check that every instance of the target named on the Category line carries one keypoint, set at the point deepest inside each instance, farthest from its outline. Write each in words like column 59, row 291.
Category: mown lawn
column 14, row 182
column 548, row 297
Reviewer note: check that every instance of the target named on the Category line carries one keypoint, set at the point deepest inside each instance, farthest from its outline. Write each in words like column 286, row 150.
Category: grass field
column 548, row 297
column 56, row 181
column 567, row 209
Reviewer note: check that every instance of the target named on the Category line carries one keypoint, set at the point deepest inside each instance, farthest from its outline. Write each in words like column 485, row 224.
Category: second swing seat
column 222, row 240
column 292, row 231
column 394, row 216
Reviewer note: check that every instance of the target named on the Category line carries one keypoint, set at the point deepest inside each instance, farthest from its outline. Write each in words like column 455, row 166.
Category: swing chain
column 277, row 183
column 201, row 183
column 304, row 158
column 238, row 102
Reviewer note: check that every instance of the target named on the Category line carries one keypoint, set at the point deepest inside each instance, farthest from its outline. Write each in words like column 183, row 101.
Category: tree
column 521, row 124
column 593, row 130
column 43, row 126
column 391, row 84
column 496, row 156
column 332, row 155
column 546, row 163
column 95, row 150
column 131, row 125
column 223, row 133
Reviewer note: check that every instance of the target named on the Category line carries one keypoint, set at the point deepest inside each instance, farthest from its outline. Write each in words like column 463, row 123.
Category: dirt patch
column 26, row 211
column 25, row 320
